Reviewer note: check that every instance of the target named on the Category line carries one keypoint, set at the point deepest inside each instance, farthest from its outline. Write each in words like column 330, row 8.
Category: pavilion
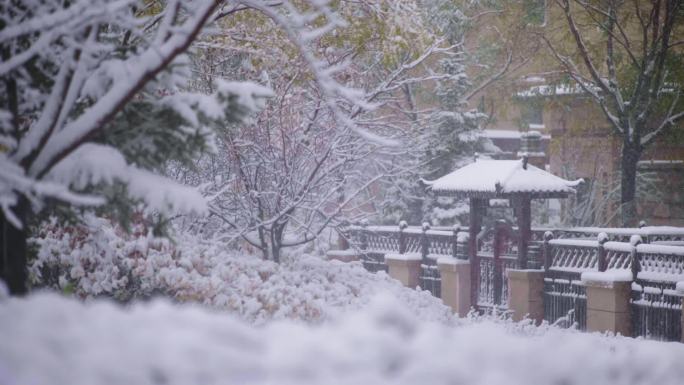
column 515, row 180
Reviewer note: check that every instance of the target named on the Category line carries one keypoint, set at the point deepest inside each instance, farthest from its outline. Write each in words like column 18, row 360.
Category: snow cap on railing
column 403, row 224
column 635, row 239
column 426, row 226
column 548, row 235
column 602, row 237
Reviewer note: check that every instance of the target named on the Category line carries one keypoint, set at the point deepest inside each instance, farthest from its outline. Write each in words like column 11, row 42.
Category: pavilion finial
column 525, row 159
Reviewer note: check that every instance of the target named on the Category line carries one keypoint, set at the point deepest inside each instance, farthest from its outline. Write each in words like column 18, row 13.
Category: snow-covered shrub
column 98, row 259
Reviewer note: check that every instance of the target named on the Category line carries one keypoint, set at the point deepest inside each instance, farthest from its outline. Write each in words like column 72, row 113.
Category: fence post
column 364, row 235
column 454, row 241
column 455, row 284
column 548, row 236
column 647, row 238
column 463, row 246
column 402, row 237
column 424, row 241
column 499, row 228
column 608, row 303
column 602, row 263
column 525, row 294
column 425, row 264
column 635, row 240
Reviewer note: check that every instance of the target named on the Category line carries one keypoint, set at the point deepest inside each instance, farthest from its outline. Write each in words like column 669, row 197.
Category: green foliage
column 534, row 11
column 150, row 134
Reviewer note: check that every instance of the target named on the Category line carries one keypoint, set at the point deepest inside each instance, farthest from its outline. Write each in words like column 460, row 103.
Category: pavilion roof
column 502, row 179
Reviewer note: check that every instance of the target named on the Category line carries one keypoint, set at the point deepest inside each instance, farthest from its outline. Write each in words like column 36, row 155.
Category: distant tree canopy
column 628, row 56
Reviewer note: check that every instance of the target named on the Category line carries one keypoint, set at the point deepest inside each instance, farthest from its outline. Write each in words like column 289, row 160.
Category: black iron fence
column 656, row 260
column 656, row 306
column 565, row 299
column 374, row 242
column 656, row 310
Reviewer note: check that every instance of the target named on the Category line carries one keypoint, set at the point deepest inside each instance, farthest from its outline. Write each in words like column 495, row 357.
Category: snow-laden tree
column 93, row 94
column 68, row 72
column 447, row 134
column 300, row 166
column 631, row 68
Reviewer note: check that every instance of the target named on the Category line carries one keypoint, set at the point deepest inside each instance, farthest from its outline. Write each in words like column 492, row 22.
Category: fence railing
column 648, row 234
column 388, row 238
column 655, row 257
column 375, row 241
column 655, row 268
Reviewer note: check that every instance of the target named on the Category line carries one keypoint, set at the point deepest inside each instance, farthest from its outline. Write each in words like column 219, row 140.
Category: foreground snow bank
column 48, row 339
column 96, row 259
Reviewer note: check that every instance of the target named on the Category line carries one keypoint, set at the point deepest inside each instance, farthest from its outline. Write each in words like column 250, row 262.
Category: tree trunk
column 275, row 252
column 13, row 249
column 277, row 240
column 630, row 157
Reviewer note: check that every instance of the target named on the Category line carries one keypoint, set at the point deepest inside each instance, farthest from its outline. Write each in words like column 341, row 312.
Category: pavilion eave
column 501, row 195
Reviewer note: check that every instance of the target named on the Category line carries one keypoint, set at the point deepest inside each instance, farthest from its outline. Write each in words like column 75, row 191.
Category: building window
column 535, row 11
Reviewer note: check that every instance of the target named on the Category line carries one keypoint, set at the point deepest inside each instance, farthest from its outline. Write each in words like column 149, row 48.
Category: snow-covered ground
column 221, row 317
column 49, row 339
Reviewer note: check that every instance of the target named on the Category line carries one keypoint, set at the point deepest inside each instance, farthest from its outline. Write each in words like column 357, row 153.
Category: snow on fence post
column 601, row 262
column 454, row 241
column 635, row 240
column 402, row 237
column 548, row 236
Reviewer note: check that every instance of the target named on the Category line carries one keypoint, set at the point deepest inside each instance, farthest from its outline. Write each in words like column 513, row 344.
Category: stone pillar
column 608, row 307
column 455, row 276
column 405, row 268
column 525, row 294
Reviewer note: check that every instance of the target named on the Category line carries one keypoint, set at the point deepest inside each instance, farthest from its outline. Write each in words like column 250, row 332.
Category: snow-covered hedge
column 96, row 259
column 48, row 339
